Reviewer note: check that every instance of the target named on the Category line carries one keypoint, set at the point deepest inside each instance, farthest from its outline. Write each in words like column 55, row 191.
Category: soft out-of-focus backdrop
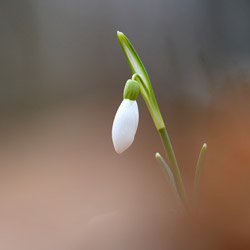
column 62, row 73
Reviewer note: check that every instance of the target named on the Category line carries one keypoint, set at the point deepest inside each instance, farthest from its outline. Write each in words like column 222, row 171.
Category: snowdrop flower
column 126, row 119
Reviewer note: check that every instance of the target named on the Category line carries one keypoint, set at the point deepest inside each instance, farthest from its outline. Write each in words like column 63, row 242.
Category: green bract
column 131, row 90
column 141, row 75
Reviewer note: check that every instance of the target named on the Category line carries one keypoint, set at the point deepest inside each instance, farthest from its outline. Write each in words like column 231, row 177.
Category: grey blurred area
column 57, row 50
column 62, row 73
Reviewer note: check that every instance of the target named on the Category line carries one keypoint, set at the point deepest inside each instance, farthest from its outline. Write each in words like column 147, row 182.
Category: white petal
column 125, row 125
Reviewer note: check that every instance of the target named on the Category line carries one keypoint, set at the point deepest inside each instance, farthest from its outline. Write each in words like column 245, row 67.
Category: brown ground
column 62, row 186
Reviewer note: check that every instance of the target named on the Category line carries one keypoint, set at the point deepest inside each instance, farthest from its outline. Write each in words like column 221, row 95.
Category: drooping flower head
column 127, row 118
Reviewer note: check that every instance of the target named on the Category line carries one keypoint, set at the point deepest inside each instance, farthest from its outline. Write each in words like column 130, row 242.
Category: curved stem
column 140, row 81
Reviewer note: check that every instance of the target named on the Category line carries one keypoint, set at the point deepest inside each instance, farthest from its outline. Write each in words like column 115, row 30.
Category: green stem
column 173, row 165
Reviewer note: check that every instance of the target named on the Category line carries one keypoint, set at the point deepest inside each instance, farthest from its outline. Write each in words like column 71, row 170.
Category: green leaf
column 198, row 173
column 168, row 174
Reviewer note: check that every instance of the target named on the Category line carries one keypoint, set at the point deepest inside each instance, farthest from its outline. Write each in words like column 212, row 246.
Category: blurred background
column 62, row 186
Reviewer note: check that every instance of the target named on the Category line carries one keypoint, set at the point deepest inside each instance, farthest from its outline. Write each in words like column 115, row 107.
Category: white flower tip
column 120, row 148
column 125, row 125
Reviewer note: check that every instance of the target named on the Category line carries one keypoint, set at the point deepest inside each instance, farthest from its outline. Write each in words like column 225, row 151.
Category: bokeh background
column 62, row 72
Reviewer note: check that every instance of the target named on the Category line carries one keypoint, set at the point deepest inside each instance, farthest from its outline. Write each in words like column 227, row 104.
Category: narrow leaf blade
column 169, row 175
column 198, row 172
column 133, row 59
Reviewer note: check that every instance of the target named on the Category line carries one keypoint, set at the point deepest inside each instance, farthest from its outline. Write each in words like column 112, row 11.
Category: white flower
column 125, row 125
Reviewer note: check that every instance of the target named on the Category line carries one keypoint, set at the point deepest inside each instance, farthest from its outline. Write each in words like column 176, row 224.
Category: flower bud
column 125, row 125
column 131, row 90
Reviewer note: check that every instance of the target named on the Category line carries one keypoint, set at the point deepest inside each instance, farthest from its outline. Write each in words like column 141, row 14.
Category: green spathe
column 140, row 74
column 131, row 90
